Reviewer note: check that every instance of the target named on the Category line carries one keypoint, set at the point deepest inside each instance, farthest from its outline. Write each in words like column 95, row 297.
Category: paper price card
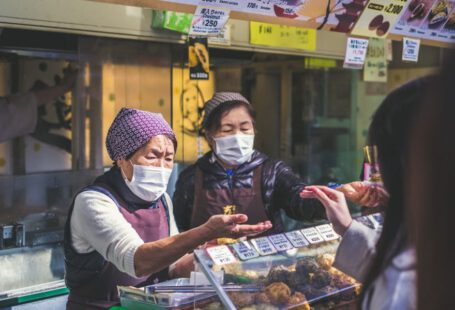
column 221, row 255
column 312, row 235
column 280, row 242
column 244, row 250
column 297, row 239
column 378, row 18
column 208, row 21
column 327, row 232
column 282, row 36
column 356, row 51
column 263, row 246
column 411, row 49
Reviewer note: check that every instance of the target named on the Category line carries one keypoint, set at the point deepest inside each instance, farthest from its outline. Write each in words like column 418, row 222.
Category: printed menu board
column 378, row 18
column 332, row 15
column 428, row 19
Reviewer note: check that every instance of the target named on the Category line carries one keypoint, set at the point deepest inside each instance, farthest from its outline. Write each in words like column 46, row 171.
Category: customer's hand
column 364, row 193
column 231, row 226
column 335, row 206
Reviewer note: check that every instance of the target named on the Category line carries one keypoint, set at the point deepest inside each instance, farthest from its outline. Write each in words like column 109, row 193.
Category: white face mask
column 235, row 149
column 148, row 182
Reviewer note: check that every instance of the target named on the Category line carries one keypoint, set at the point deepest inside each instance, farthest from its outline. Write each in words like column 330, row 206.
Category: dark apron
column 208, row 202
column 101, row 291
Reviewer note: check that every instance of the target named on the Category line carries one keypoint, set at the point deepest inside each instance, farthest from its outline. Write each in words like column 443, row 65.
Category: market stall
column 283, row 271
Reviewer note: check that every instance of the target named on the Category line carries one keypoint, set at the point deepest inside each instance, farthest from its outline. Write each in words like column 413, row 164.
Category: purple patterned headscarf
column 132, row 129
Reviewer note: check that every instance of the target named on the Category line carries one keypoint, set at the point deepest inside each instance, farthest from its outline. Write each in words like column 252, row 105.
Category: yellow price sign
column 282, row 36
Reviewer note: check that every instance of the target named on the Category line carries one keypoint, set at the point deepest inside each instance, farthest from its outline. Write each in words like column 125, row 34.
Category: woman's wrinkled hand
column 335, row 205
column 232, row 226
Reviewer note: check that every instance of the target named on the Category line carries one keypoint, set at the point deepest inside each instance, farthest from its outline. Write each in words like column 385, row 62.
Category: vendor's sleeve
column 287, row 195
column 18, row 116
column 356, row 250
column 97, row 224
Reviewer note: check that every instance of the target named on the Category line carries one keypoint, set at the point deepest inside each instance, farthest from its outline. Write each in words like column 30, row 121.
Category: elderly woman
column 235, row 178
column 121, row 230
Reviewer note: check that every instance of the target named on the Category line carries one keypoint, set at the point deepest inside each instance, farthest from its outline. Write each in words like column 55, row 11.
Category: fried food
column 278, row 293
column 321, row 279
column 279, row 274
column 325, row 261
column 242, row 300
column 306, row 266
column 297, row 298
column 262, row 298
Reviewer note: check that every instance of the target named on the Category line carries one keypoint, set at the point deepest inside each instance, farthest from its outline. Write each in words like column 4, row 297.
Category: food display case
column 292, row 270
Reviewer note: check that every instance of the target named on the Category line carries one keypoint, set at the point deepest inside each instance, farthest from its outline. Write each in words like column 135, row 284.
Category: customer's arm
column 358, row 242
column 356, row 250
column 286, row 193
column 98, row 225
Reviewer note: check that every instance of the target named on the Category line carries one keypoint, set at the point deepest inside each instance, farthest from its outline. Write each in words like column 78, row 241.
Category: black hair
column 213, row 121
column 390, row 131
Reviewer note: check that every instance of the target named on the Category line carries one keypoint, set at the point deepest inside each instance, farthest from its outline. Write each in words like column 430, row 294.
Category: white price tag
column 327, row 232
column 221, row 255
column 208, row 21
column 263, row 246
column 356, row 51
column 411, row 49
column 312, row 235
column 280, row 242
column 244, row 250
column 297, row 239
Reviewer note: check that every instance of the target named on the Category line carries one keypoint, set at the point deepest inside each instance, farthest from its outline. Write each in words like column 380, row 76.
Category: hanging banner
column 356, row 50
column 282, row 36
column 411, row 49
column 428, row 19
column 375, row 69
column 340, row 15
column 208, row 21
column 378, row 18
column 198, row 58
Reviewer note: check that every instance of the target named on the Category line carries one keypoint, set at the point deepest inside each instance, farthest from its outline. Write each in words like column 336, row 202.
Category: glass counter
column 292, row 270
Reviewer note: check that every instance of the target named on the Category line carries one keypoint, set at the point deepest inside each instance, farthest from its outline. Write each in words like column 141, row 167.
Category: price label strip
column 297, row 239
column 244, row 250
column 221, row 255
column 280, row 242
column 312, row 235
column 327, row 232
column 263, row 246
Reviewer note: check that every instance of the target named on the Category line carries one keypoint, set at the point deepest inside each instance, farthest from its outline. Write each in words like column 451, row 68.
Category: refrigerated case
column 292, row 270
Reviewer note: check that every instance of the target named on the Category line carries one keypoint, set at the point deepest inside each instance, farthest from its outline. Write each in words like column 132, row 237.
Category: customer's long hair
column 431, row 190
column 389, row 131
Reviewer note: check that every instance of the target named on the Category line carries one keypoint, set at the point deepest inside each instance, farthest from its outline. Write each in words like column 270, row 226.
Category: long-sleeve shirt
column 395, row 286
column 98, row 225
column 18, row 115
